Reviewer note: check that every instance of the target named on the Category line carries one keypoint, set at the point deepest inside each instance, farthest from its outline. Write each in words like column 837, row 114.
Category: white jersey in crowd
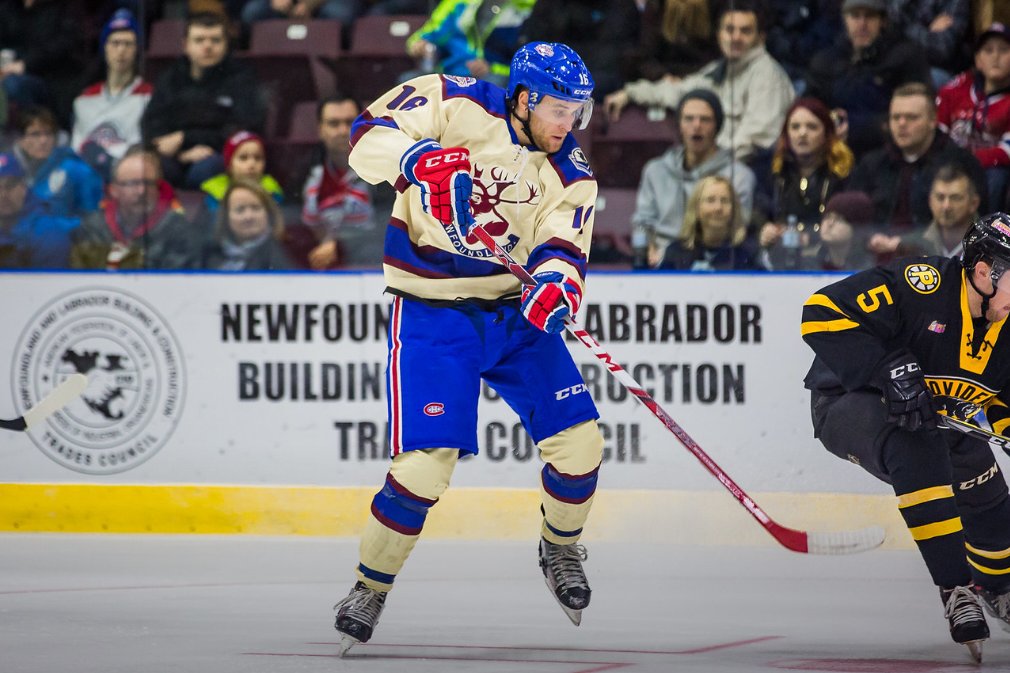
column 537, row 206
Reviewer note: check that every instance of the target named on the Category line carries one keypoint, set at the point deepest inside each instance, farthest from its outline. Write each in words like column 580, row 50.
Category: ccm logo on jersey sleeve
column 434, row 409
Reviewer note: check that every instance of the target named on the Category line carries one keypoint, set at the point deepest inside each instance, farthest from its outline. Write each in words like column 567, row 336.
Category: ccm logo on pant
column 572, row 390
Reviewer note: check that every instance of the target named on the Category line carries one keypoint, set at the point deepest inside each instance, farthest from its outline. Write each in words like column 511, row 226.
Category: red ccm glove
column 443, row 174
column 548, row 303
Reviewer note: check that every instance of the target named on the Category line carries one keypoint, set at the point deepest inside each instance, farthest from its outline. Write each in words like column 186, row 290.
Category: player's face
column 13, row 191
column 993, row 59
column 806, row 133
column 697, row 127
column 38, row 140
column 121, row 51
column 738, row 34
column 912, row 123
column 206, row 45
column 248, row 218
column 551, row 121
column 999, row 304
column 249, row 161
column 335, row 127
column 135, row 186
column 863, row 26
column 715, row 212
column 952, row 203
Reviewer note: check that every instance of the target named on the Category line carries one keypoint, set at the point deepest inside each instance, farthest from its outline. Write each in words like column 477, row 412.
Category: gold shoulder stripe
column 823, row 300
column 840, row 325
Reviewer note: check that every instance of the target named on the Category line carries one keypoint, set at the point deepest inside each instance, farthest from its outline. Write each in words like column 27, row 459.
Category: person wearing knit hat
column 244, row 155
column 708, row 96
column 107, row 114
column 843, row 232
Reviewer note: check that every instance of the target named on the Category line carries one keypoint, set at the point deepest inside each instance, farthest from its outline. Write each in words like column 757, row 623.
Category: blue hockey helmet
column 552, row 69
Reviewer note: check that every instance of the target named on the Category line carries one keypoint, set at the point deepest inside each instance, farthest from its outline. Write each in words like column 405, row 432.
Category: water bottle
column 791, row 243
column 428, row 58
column 640, row 246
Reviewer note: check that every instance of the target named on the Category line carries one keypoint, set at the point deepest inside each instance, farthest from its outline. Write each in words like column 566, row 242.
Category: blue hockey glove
column 550, row 301
column 908, row 400
column 443, row 174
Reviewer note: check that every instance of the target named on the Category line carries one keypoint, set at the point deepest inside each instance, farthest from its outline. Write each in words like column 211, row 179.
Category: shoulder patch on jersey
column 923, row 278
column 461, row 81
column 579, row 160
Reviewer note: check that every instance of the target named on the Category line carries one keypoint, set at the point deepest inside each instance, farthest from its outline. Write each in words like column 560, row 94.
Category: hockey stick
column 804, row 542
column 58, row 397
column 975, row 431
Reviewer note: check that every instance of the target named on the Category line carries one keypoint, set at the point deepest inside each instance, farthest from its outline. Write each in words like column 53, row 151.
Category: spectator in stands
column 107, row 114
column 856, row 75
column 245, row 158
column 797, row 29
column 605, row 32
column 668, row 180
column 199, row 102
column 714, row 235
column 30, row 235
column 337, row 203
column 899, row 175
column 344, row 11
column 841, row 246
column 248, row 232
column 470, row 38
column 676, row 39
column 140, row 226
column 754, row 90
column 47, row 54
column 56, row 175
column 811, row 163
column 974, row 110
column 939, row 28
column 953, row 203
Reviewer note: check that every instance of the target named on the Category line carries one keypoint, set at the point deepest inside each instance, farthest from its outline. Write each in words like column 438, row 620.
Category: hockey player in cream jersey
column 462, row 152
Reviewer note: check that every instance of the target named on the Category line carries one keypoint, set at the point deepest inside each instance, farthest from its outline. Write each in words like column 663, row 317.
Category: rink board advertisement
column 280, row 380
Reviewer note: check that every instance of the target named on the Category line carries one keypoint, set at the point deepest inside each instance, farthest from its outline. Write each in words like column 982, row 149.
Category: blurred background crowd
column 728, row 134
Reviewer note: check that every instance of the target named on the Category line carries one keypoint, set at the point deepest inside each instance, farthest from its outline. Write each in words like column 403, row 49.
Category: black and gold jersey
column 916, row 304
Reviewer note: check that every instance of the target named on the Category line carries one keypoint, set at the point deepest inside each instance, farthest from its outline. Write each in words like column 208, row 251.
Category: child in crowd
column 244, row 158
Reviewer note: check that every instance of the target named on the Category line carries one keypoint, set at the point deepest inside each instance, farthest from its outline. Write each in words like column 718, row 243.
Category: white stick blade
column 846, row 541
column 61, row 396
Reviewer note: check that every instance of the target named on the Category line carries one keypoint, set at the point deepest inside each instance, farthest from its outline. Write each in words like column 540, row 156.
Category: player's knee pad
column 415, row 481
column 577, row 450
column 983, row 491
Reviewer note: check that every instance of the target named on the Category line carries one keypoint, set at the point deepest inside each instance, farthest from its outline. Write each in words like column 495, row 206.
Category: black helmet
column 988, row 240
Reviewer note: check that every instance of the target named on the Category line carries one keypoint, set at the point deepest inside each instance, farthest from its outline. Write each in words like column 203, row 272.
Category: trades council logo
column 135, row 379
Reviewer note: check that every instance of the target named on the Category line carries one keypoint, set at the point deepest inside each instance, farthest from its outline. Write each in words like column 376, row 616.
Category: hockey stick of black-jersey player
column 805, row 542
column 975, row 431
column 58, row 397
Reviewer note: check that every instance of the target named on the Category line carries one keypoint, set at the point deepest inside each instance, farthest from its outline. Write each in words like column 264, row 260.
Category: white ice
column 201, row 604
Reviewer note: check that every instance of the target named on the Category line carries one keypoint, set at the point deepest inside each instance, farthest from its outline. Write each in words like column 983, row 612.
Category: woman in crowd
column 810, row 164
column 248, row 233
column 713, row 237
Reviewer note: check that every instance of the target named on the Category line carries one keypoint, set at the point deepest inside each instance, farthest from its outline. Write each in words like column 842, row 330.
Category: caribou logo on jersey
column 461, row 81
column 923, row 278
column 579, row 160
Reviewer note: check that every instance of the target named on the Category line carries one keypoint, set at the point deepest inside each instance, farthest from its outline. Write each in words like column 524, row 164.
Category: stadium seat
column 378, row 55
column 612, row 225
column 163, row 47
column 304, row 126
column 621, row 149
column 293, row 61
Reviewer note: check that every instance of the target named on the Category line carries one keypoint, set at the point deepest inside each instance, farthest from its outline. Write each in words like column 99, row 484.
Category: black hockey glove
column 908, row 401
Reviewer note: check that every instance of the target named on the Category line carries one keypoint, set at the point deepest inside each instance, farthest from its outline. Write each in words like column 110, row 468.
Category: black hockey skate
column 563, row 573
column 963, row 610
column 996, row 604
column 357, row 615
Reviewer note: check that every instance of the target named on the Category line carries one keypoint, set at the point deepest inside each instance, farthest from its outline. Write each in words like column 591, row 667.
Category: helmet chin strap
column 985, row 296
column 525, row 123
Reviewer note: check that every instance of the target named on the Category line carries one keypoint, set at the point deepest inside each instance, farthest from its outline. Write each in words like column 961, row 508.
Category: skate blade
column 346, row 643
column 574, row 615
column 975, row 649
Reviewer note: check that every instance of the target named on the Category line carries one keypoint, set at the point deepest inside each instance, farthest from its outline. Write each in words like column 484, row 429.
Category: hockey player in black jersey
column 895, row 345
